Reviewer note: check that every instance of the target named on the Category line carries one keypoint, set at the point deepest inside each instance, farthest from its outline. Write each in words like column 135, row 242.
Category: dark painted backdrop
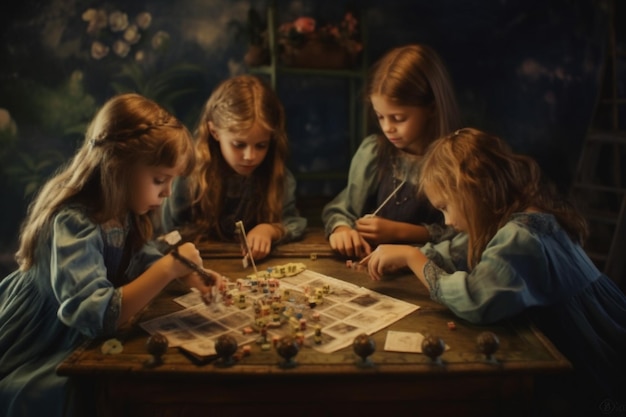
column 527, row 70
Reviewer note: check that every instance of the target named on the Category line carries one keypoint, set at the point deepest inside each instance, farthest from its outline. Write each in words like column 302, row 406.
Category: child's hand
column 190, row 252
column 388, row 258
column 377, row 230
column 260, row 240
column 195, row 280
column 349, row 242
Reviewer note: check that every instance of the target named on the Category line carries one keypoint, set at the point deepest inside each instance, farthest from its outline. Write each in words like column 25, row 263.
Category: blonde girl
column 242, row 148
column 85, row 262
column 519, row 253
column 411, row 95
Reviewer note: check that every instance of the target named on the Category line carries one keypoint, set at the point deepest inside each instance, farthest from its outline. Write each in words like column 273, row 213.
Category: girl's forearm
column 412, row 233
column 139, row 292
column 416, row 264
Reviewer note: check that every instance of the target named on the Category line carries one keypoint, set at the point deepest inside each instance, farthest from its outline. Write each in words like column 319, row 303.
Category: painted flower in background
column 99, row 50
column 97, row 20
column 292, row 36
column 143, row 20
column 118, row 21
column 132, row 35
column 304, row 25
column 7, row 124
column 121, row 48
column 115, row 32
column 160, row 40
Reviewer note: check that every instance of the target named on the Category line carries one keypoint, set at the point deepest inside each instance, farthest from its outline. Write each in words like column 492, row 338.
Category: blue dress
column 67, row 296
column 532, row 267
column 176, row 211
column 368, row 188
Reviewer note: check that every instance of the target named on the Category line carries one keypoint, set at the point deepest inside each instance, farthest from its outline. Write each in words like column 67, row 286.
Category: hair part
column 238, row 104
column 129, row 129
column 488, row 182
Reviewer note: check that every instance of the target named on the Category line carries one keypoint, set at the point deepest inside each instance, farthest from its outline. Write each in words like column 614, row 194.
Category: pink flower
column 304, row 25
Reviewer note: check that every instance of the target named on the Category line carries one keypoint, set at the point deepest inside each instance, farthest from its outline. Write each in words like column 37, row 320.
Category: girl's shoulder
column 537, row 221
column 73, row 213
column 369, row 144
column 76, row 216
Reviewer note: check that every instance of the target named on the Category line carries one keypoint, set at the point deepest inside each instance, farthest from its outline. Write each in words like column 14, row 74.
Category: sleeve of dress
column 292, row 222
column 349, row 204
column 87, row 299
column 495, row 289
column 176, row 210
column 142, row 260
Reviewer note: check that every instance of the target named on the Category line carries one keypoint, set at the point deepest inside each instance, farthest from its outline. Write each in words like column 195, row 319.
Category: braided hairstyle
column 128, row 130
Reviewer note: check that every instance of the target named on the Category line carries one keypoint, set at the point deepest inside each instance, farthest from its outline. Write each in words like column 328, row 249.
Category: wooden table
column 464, row 383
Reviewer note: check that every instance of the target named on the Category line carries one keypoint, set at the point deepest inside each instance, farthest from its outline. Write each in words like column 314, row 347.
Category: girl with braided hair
column 86, row 264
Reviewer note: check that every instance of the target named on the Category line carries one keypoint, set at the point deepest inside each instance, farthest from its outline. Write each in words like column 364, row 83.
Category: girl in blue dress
column 241, row 175
column 85, row 265
column 412, row 98
column 519, row 253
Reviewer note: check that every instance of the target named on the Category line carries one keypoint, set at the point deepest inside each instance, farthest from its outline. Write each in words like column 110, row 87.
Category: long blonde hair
column 127, row 130
column 415, row 75
column 488, row 182
column 238, row 104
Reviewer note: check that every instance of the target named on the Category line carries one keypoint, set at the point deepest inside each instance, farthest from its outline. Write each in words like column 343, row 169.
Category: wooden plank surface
column 463, row 383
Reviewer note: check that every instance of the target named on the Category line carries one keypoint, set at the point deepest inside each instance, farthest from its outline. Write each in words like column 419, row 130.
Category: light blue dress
column 176, row 211
column 67, row 296
column 367, row 189
column 532, row 267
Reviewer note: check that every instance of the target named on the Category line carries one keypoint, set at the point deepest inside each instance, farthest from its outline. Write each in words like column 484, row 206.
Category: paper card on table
column 200, row 348
column 409, row 342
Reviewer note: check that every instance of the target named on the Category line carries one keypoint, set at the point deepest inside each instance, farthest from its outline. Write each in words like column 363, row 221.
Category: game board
column 324, row 312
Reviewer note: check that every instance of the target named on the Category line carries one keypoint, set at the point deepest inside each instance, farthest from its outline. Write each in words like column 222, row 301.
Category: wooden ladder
column 599, row 188
column 600, row 193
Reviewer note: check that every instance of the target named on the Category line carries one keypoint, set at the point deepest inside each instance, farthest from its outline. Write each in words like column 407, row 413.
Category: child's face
column 404, row 126
column 244, row 151
column 149, row 186
column 451, row 212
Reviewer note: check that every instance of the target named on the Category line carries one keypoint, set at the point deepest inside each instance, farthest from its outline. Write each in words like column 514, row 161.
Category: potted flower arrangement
column 303, row 44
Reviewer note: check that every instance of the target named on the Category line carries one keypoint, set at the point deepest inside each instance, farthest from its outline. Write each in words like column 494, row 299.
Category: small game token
column 112, row 347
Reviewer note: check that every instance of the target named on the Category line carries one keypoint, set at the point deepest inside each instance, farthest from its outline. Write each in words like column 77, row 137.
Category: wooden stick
column 387, row 199
column 208, row 278
column 242, row 230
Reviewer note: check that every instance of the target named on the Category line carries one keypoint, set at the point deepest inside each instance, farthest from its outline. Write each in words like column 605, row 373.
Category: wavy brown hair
column 488, row 182
column 414, row 75
column 238, row 104
column 129, row 129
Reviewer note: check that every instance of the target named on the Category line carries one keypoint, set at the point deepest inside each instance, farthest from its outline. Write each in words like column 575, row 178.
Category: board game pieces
column 488, row 343
column 156, row 345
column 225, row 347
column 433, row 347
column 287, row 347
column 364, row 346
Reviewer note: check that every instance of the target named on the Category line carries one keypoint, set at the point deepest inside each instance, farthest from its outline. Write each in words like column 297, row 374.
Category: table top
column 523, row 349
